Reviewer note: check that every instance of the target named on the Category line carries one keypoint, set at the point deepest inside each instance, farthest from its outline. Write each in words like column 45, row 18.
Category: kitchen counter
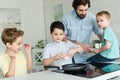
column 45, row 75
column 49, row 75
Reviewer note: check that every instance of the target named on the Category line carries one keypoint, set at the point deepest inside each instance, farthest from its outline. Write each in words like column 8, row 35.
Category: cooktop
column 93, row 70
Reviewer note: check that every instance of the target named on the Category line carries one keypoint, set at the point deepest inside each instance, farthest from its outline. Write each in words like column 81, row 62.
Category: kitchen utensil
column 51, row 67
column 73, row 68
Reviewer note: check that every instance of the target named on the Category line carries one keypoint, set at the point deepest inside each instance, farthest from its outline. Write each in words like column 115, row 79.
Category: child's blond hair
column 105, row 14
column 9, row 35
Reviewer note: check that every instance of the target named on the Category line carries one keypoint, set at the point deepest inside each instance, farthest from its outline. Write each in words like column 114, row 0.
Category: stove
column 96, row 71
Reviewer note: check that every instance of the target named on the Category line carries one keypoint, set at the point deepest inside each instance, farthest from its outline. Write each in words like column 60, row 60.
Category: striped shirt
column 54, row 48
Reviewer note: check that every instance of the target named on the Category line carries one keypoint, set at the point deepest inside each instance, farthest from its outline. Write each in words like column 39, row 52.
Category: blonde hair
column 10, row 35
column 105, row 14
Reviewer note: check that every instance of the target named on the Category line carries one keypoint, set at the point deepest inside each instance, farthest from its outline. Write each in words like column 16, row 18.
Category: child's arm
column 48, row 61
column 27, row 48
column 11, row 70
column 105, row 47
column 71, row 52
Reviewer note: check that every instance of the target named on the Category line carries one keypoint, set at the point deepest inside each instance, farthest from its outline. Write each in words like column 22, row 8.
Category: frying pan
column 70, row 68
column 51, row 67
column 74, row 68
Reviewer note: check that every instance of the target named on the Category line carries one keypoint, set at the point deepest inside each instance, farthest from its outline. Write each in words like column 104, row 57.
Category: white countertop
column 48, row 75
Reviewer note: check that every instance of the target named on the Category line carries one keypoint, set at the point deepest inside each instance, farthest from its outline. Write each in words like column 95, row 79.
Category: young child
column 13, row 62
column 110, row 48
column 59, row 52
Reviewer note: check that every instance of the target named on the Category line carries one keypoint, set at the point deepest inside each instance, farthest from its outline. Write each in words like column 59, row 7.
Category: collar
column 57, row 43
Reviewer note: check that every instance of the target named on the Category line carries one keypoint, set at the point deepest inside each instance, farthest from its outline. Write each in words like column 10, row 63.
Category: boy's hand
column 59, row 56
column 70, row 53
column 12, row 54
column 96, row 51
column 27, row 48
column 80, row 49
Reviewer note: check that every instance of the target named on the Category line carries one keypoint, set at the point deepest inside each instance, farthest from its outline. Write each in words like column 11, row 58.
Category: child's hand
column 80, row 49
column 59, row 56
column 27, row 48
column 92, row 50
column 96, row 51
column 70, row 53
column 12, row 54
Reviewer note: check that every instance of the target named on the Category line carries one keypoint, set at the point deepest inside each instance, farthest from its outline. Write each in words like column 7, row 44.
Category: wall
column 49, row 13
column 96, row 5
column 32, row 15
column 32, row 18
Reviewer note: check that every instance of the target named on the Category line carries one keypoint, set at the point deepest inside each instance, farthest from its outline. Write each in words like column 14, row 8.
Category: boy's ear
column 8, row 44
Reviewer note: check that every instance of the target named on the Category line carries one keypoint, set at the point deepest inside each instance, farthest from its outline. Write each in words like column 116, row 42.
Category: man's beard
column 82, row 16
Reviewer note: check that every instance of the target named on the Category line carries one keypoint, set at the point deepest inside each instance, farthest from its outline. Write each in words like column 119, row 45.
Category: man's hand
column 65, row 39
column 86, row 48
